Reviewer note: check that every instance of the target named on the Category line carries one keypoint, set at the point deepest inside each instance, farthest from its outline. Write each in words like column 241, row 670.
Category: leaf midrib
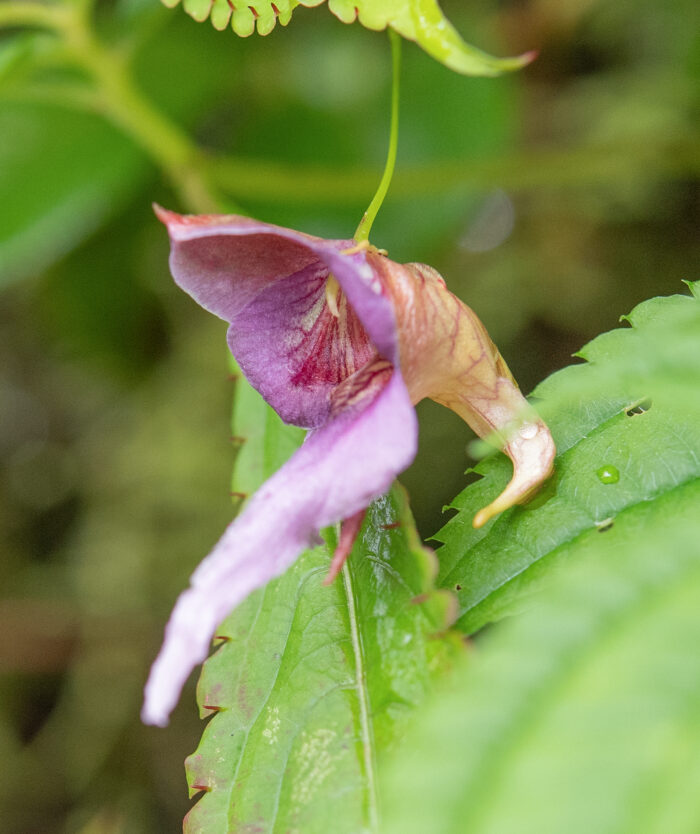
column 360, row 687
column 366, row 729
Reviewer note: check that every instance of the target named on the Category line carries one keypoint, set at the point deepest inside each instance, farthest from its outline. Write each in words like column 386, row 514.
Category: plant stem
column 363, row 230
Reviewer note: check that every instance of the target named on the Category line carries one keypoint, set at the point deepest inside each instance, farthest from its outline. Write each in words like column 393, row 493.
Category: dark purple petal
column 338, row 471
column 269, row 284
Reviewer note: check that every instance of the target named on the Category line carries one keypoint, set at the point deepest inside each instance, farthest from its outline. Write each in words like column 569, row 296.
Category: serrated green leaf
column 421, row 21
column 312, row 682
column 243, row 17
column 583, row 715
column 651, row 455
column 656, row 356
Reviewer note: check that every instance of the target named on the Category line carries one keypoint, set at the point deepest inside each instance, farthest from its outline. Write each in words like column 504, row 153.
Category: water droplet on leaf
column 608, row 474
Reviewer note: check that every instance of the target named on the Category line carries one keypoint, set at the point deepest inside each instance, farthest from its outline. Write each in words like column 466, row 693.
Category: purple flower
column 342, row 341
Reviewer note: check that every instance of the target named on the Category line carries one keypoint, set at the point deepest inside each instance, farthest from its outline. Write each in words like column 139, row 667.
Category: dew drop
column 608, row 474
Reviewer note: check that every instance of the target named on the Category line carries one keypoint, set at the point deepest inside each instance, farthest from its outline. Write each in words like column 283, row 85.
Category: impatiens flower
column 342, row 341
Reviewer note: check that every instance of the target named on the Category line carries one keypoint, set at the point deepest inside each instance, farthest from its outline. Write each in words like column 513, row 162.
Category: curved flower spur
column 342, row 341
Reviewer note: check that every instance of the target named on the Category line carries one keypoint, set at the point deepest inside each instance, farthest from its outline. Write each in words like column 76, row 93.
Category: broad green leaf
column 582, row 715
column 312, row 682
column 421, row 21
column 612, row 458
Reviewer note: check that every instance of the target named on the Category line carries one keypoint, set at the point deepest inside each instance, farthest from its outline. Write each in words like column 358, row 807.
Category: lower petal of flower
column 338, row 471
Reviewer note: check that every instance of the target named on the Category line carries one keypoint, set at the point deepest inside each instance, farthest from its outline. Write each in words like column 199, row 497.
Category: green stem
column 70, row 96
column 363, row 230
column 191, row 173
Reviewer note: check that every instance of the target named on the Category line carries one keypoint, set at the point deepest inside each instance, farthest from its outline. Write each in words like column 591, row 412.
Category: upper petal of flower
column 269, row 284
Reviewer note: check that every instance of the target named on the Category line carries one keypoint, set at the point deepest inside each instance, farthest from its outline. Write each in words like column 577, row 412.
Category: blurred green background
column 552, row 201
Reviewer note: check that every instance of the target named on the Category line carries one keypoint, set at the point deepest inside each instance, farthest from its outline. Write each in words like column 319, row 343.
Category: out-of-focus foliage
column 581, row 715
column 627, row 429
column 65, row 172
column 551, row 200
column 83, row 168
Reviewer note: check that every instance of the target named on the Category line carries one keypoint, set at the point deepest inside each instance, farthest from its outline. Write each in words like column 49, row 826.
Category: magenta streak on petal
column 268, row 283
column 338, row 471
column 294, row 350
